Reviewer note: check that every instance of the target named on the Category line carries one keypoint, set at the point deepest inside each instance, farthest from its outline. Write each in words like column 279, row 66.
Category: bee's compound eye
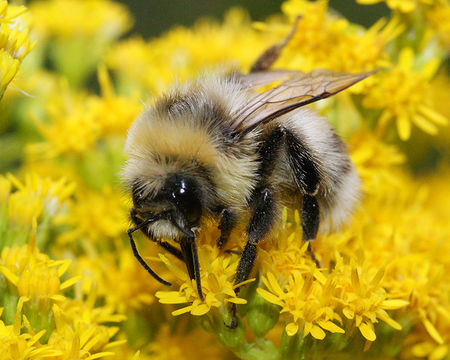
column 186, row 198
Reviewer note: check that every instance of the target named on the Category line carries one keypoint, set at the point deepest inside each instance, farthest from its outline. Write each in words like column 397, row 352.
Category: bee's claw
column 233, row 323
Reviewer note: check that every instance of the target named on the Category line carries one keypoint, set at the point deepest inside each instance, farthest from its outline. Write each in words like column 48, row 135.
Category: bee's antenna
column 130, row 231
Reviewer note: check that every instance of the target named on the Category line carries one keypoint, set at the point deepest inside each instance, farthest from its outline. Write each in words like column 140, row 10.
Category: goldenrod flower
column 34, row 275
column 217, row 278
column 36, row 196
column 381, row 289
column 403, row 96
column 14, row 42
column 375, row 162
column 113, row 113
column 184, row 52
column 85, row 19
column 109, row 276
column 95, row 216
column 17, row 345
column 405, row 6
column 72, row 126
column 326, row 41
column 439, row 18
column 183, row 344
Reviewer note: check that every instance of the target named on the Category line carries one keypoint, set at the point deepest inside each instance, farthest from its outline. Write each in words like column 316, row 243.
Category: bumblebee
column 217, row 147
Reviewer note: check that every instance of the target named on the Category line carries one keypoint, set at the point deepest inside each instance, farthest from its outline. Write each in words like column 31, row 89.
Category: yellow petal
column 348, row 313
column 394, row 304
column 11, row 277
column 70, row 282
column 425, row 125
column 332, row 327
column 317, row 332
column 406, row 58
column 432, row 331
column 382, row 315
column 57, row 297
column 291, row 329
column 403, row 127
column 433, row 115
column 367, row 331
column 307, row 328
column 269, row 297
column 182, row 310
column 201, row 309
column 430, row 68
column 236, row 300
column 101, row 354
column 274, row 284
column 439, row 353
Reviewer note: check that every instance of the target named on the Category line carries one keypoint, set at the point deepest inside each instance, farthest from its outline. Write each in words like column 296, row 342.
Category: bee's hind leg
column 307, row 178
column 268, row 57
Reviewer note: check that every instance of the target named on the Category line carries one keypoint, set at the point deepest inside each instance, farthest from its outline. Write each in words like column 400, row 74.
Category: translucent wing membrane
column 295, row 89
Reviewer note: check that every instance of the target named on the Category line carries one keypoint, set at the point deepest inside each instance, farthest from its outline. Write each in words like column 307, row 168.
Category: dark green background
column 154, row 17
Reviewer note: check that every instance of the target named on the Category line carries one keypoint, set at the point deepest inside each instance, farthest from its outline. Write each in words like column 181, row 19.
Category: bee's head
column 178, row 199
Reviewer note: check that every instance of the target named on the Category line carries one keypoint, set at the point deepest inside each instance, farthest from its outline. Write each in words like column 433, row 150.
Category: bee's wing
column 294, row 90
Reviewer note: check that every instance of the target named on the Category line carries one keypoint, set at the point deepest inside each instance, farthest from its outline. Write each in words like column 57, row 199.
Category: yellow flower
column 375, row 162
column 405, row 6
column 15, row 344
column 65, row 18
column 109, row 275
column 14, row 42
column 403, row 95
column 113, row 113
column 8, row 69
column 363, row 298
column 309, row 303
column 185, row 52
column 184, row 344
column 34, row 275
column 78, row 332
column 95, row 216
column 36, row 196
column 439, row 18
column 72, row 126
column 353, row 48
column 217, row 278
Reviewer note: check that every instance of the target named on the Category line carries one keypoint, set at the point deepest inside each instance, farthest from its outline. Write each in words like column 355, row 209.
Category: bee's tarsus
column 233, row 322
column 313, row 256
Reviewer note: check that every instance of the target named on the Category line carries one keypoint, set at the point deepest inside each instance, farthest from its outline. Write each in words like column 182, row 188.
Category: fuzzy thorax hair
column 187, row 132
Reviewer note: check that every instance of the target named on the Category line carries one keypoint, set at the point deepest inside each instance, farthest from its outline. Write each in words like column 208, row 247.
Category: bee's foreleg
column 170, row 248
column 270, row 55
column 136, row 254
column 263, row 208
column 226, row 225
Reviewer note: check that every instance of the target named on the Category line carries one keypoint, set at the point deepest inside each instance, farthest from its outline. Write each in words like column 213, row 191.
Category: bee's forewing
column 294, row 90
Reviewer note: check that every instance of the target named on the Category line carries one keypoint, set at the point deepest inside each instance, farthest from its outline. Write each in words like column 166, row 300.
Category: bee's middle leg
column 263, row 207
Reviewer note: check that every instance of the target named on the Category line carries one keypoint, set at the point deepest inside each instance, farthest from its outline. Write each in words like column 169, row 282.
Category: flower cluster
column 70, row 287
column 14, row 42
